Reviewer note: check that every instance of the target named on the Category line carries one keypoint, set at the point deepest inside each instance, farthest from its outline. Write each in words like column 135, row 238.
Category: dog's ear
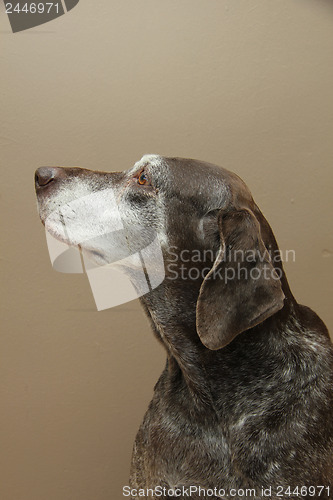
column 242, row 289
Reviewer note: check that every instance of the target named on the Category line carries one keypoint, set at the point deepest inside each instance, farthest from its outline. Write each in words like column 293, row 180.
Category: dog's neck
column 185, row 352
column 171, row 309
column 189, row 362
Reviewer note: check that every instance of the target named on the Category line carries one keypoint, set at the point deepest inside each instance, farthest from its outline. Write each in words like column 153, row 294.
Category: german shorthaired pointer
column 244, row 405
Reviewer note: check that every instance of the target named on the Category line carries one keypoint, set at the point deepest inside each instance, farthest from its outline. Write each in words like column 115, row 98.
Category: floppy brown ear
column 242, row 289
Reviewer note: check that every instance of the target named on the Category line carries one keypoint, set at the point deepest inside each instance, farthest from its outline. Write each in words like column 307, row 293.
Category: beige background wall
column 246, row 84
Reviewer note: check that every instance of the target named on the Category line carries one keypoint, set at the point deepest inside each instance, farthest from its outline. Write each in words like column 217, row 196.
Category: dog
column 244, row 405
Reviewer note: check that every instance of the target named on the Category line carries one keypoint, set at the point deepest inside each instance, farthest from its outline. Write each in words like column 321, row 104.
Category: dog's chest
column 171, row 449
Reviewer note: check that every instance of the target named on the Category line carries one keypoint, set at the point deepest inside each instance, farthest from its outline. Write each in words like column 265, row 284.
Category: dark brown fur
column 245, row 399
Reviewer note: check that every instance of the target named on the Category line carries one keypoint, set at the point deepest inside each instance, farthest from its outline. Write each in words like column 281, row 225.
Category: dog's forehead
column 184, row 167
column 195, row 176
column 149, row 160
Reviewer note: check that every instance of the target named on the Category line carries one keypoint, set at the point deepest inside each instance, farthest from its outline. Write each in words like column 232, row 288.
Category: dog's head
column 215, row 241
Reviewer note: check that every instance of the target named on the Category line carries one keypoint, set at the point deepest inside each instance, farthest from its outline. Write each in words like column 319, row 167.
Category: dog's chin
column 95, row 256
column 57, row 233
column 110, row 255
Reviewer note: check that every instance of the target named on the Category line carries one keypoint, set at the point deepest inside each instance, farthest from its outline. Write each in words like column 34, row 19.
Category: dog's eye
column 142, row 179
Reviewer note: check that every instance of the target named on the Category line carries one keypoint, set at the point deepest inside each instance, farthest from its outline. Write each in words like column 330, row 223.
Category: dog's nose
column 45, row 175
